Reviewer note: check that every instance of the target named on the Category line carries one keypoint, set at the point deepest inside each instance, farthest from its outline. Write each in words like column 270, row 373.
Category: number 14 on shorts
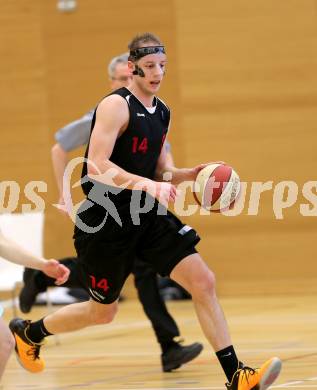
column 102, row 284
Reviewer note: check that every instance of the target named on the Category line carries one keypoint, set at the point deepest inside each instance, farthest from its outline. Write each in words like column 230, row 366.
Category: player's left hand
column 56, row 270
column 199, row 167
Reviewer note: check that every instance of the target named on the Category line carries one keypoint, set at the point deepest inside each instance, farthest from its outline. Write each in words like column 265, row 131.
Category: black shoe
column 29, row 291
column 178, row 355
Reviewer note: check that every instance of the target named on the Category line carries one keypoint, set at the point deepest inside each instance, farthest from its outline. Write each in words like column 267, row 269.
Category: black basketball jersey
column 137, row 150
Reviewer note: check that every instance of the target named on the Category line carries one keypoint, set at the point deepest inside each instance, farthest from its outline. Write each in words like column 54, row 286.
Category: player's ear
column 131, row 66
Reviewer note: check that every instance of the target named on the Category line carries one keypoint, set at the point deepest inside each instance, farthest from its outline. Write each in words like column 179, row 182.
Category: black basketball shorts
column 106, row 258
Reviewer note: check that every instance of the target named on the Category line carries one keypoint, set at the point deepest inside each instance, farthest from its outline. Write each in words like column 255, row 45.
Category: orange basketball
column 217, row 186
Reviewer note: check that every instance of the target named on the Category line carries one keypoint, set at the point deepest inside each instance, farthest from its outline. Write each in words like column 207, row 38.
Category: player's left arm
column 166, row 171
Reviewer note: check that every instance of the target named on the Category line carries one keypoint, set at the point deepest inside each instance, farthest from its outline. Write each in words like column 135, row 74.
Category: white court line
column 287, row 384
column 295, row 387
column 212, row 388
column 172, row 388
column 291, row 385
column 295, row 384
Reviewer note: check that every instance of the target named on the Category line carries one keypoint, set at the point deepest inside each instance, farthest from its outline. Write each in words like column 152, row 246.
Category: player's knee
column 204, row 286
column 106, row 315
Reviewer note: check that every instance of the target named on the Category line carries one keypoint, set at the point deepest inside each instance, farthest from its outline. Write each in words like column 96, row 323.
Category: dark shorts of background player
column 106, row 258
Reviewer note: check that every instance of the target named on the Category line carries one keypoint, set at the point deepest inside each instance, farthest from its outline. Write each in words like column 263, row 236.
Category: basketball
column 216, row 188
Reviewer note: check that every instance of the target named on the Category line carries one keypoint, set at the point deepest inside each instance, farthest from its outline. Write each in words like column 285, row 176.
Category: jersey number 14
column 139, row 146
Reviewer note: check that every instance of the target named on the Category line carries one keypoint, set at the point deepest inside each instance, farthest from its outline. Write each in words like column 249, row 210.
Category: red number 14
column 139, row 146
column 102, row 283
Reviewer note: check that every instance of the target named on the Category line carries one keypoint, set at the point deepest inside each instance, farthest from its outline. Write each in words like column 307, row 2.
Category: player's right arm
column 59, row 161
column 112, row 119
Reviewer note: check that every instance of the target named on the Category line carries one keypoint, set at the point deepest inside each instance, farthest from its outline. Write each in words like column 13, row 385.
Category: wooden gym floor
column 124, row 355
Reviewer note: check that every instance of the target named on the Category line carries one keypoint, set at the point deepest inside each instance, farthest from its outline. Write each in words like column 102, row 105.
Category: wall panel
column 23, row 109
column 249, row 94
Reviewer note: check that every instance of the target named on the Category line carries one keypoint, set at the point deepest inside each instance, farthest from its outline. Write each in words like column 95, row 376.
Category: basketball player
column 127, row 162
column 12, row 252
column 69, row 138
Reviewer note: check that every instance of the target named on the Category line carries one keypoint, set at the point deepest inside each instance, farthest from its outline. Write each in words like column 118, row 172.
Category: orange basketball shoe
column 27, row 352
column 246, row 378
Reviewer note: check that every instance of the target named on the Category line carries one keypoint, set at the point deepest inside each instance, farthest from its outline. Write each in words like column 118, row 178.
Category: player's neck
column 145, row 98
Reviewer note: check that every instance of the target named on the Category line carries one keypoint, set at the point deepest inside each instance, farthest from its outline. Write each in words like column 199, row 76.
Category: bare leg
column 6, row 345
column 79, row 315
column 193, row 274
